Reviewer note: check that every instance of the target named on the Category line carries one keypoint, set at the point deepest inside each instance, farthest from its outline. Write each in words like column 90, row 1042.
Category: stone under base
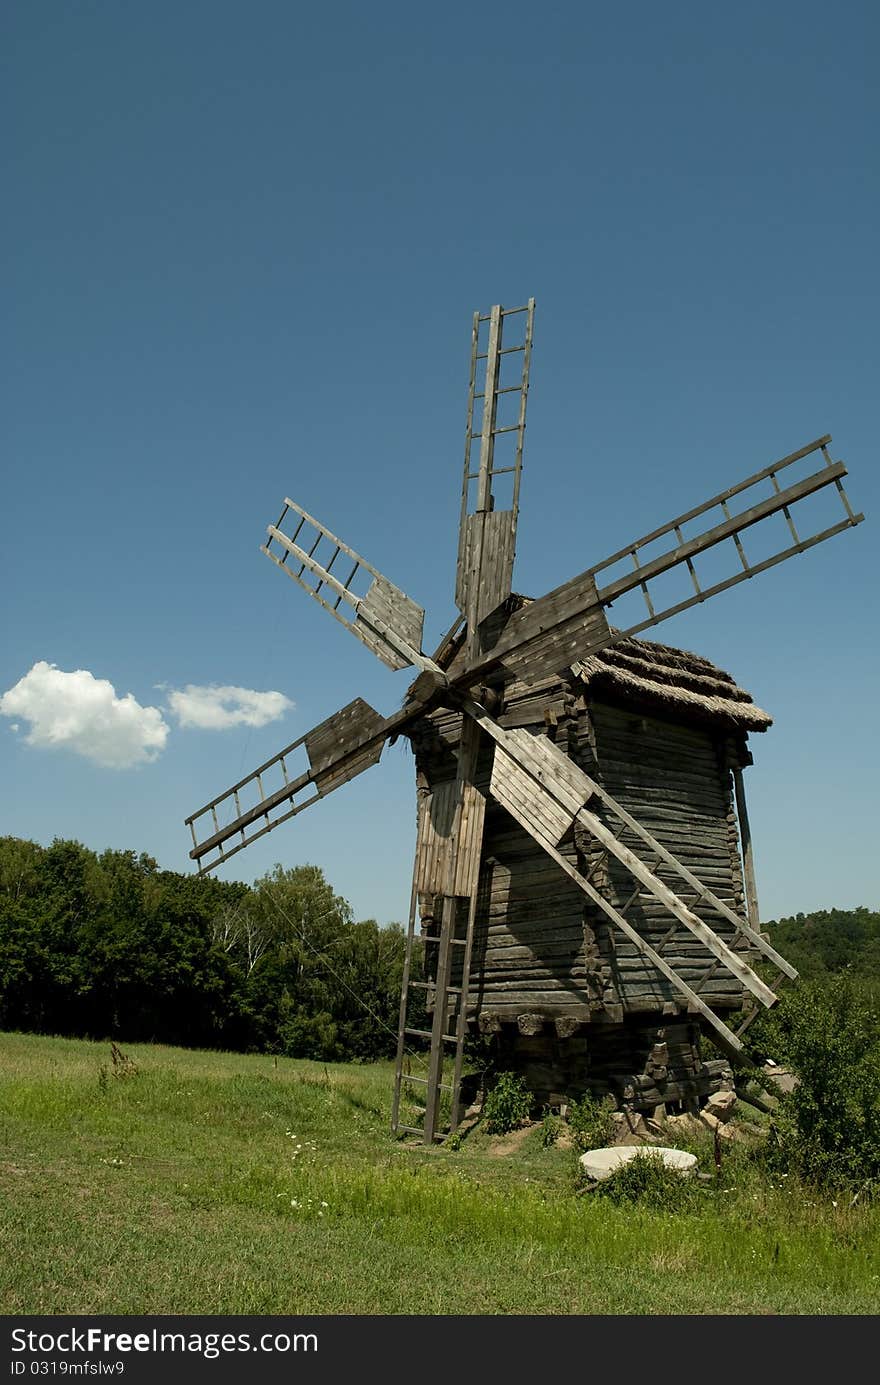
column 643, row 1063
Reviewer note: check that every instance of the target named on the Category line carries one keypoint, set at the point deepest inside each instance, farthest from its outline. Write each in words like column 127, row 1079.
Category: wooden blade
column 523, row 814
column 554, row 791
column 485, row 561
column 337, row 750
column 487, row 535
column 729, row 527
column 549, row 635
column 384, row 618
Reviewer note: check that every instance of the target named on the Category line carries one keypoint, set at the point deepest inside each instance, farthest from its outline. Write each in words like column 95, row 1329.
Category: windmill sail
column 487, row 535
column 728, row 527
column 384, row 618
column 337, row 750
column 542, row 638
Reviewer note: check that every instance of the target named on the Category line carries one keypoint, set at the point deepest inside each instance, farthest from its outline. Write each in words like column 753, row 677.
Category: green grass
column 181, row 1190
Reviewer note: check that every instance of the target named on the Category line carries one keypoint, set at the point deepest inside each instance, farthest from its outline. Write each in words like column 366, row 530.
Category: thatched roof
column 643, row 672
column 672, row 680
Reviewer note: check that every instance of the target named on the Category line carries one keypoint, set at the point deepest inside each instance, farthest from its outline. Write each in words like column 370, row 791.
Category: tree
column 829, row 1125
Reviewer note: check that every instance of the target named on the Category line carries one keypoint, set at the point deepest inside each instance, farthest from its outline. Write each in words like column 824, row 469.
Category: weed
column 508, row 1104
column 647, row 1180
column 591, row 1122
column 197, row 1216
column 551, row 1128
column 123, row 1066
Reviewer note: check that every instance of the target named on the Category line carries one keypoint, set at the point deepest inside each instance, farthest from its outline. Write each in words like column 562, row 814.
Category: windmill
column 497, row 641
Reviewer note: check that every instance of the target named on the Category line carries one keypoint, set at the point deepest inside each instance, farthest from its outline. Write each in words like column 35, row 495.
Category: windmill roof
column 674, row 679
column 671, row 680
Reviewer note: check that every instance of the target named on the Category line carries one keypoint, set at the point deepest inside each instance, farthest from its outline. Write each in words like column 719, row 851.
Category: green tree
column 829, row 1125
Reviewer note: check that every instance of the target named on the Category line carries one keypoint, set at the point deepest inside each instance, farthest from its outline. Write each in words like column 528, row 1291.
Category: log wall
column 540, row 946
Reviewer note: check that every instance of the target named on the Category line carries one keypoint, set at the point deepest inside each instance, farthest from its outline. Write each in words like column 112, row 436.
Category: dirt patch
column 503, row 1145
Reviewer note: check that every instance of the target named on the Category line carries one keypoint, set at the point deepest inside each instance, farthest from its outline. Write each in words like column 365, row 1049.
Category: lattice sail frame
column 387, row 620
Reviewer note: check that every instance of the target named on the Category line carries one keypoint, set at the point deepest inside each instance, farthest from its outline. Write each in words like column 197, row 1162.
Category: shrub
column 551, row 1127
column 828, row 1128
column 590, row 1121
column 508, row 1104
column 647, row 1180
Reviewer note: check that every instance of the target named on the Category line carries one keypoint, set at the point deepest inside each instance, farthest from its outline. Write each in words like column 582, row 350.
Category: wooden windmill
column 534, row 784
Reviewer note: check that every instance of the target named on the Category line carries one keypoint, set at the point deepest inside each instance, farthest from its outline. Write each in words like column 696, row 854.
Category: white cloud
column 216, row 708
column 79, row 712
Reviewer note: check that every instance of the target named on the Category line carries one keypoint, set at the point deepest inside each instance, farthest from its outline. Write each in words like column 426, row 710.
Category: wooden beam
column 545, row 783
column 748, row 929
column 719, row 532
column 726, row 1035
column 748, row 858
column 716, row 500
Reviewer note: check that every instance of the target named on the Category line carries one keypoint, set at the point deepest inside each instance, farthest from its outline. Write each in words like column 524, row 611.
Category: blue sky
column 243, row 244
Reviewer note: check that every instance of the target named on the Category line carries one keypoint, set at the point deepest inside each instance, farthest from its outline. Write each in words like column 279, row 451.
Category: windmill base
column 642, row 1063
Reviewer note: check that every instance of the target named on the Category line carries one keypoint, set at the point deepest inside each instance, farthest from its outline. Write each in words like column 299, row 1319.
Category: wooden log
column 566, row 1026
column 530, row 1023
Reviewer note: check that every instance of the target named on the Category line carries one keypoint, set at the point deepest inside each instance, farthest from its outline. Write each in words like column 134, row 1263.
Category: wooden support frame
column 464, row 841
column 544, row 827
column 749, row 863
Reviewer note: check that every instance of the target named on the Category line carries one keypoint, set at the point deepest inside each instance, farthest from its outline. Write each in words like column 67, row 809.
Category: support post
column 747, row 854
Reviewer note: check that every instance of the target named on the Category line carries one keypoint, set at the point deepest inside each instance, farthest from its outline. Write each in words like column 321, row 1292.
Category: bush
column 647, row 1180
column 828, row 1128
column 551, row 1128
column 508, row 1104
column 590, row 1121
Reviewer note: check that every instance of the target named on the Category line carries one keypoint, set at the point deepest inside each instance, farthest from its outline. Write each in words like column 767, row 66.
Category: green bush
column 647, row 1180
column 551, row 1128
column 590, row 1121
column 828, row 1128
column 508, row 1103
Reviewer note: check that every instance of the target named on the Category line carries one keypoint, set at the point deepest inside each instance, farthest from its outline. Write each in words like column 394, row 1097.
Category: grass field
column 222, row 1183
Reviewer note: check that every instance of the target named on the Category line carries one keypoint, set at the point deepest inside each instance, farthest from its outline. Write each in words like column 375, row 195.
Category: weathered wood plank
column 328, row 742
column 720, row 1027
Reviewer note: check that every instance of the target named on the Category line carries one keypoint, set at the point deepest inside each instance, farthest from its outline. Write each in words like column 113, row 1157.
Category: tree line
column 108, row 945
column 99, row 945
column 828, row 942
